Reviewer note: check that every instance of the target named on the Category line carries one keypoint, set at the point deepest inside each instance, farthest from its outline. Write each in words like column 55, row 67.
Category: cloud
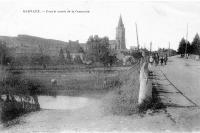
column 160, row 11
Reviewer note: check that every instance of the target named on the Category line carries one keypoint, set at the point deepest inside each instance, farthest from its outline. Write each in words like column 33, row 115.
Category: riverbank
column 17, row 96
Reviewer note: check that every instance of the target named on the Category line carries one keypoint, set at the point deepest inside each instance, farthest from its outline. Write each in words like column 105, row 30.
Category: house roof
column 74, row 48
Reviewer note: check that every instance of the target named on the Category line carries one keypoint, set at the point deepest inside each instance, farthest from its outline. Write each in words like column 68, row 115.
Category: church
column 119, row 43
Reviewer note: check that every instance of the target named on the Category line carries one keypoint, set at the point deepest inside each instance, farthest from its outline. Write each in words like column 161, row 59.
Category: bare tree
column 43, row 59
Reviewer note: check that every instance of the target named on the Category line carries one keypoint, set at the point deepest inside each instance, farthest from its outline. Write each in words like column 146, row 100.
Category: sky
column 159, row 22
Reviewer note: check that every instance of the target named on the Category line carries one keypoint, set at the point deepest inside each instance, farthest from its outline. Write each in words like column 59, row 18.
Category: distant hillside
column 25, row 44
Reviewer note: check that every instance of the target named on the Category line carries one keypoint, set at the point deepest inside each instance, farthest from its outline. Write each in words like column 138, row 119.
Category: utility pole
column 169, row 49
column 138, row 45
column 186, row 41
column 150, row 47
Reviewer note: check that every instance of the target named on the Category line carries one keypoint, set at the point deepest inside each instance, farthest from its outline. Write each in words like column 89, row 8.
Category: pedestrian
column 151, row 60
column 161, row 60
column 165, row 60
column 154, row 56
column 156, row 59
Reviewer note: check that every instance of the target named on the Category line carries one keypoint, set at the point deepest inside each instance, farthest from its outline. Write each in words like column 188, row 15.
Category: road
column 178, row 85
column 185, row 75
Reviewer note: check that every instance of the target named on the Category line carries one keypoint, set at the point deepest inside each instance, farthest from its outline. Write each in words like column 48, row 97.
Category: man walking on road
column 156, row 58
column 161, row 60
column 165, row 60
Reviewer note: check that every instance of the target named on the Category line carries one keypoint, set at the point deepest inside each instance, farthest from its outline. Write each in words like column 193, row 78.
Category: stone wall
column 145, row 84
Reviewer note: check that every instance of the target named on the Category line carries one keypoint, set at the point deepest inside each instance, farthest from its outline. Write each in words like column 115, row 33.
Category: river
column 62, row 102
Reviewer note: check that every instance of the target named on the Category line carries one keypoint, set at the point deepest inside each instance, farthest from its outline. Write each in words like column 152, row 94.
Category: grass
column 123, row 100
column 12, row 86
column 151, row 103
column 75, row 83
column 66, row 68
column 18, row 85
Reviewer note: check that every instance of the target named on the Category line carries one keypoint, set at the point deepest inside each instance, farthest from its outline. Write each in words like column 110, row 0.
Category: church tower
column 120, row 35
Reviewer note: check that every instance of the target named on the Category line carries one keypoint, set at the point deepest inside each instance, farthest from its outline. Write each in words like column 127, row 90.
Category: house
column 74, row 49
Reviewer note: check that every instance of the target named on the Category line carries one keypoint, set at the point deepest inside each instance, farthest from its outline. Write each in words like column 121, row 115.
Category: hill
column 27, row 45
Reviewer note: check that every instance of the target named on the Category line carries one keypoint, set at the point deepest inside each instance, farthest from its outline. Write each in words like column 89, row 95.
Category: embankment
column 17, row 96
column 134, row 95
column 124, row 99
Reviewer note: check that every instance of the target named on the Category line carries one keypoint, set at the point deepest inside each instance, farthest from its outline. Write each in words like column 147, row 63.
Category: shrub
column 123, row 100
column 153, row 103
column 16, row 84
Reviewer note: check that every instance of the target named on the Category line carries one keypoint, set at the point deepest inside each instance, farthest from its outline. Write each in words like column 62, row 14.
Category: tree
column 189, row 48
column 195, row 46
column 91, row 49
column 182, row 47
column 22, row 60
column 42, row 57
column 68, row 57
column 108, row 59
column 97, row 48
column 5, row 58
column 136, row 54
column 61, row 57
column 38, row 59
column 78, row 60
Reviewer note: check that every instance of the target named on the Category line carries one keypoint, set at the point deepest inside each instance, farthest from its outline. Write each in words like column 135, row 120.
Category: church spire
column 120, row 23
column 120, row 35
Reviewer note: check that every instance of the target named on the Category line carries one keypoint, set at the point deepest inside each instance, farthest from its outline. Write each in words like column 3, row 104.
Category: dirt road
column 185, row 75
column 179, row 89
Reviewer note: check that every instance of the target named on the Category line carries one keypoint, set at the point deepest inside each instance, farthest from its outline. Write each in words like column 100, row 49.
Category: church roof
column 120, row 23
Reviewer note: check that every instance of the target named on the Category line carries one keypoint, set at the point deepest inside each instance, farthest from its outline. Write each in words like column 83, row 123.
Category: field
column 76, row 82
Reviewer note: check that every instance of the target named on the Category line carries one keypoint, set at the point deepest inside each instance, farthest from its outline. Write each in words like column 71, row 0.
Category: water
column 13, row 109
column 62, row 102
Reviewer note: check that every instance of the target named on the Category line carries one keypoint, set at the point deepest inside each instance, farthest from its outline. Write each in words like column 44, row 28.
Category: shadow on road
column 165, row 92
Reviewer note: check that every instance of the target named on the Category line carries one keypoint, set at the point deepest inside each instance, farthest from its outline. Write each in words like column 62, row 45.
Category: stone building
column 113, row 44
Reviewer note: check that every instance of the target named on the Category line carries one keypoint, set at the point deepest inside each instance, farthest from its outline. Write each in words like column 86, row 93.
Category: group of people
column 155, row 58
